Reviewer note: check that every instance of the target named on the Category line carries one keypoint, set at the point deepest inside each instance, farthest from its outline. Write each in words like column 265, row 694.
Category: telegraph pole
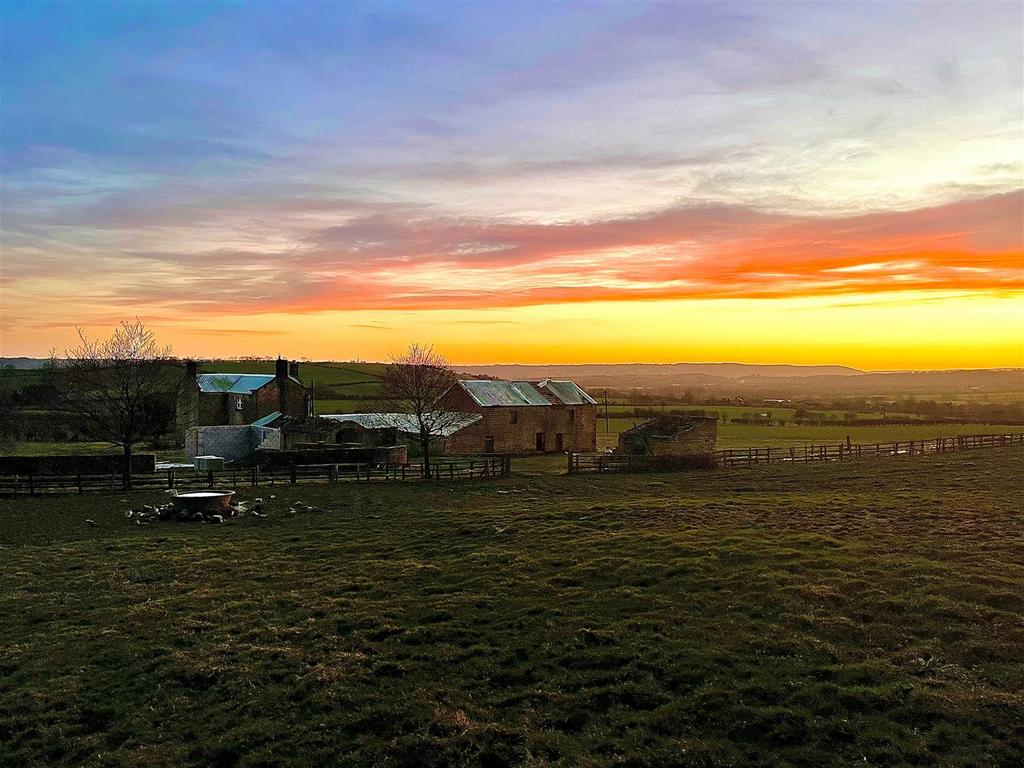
column 606, row 429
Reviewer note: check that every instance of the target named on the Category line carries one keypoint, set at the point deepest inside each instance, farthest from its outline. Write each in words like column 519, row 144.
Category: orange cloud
column 403, row 258
column 383, row 262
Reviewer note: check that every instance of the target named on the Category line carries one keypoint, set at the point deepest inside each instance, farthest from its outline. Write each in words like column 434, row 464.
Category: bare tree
column 109, row 385
column 412, row 383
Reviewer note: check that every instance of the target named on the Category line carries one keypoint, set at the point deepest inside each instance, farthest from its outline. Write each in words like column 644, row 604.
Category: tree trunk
column 128, row 467
column 425, row 450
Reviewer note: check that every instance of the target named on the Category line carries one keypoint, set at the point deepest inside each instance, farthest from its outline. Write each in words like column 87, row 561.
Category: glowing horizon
column 537, row 184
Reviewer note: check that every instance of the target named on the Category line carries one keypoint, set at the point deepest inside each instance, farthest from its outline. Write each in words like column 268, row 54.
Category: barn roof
column 267, row 420
column 236, row 383
column 568, row 392
column 404, row 422
column 489, row 393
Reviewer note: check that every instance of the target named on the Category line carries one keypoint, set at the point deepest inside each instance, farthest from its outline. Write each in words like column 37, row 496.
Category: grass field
column 868, row 613
column 754, row 436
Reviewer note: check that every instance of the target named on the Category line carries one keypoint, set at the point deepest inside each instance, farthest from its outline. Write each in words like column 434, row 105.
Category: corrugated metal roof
column 404, row 422
column 266, row 420
column 567, row 392
column 236, row 383
column 490, row 393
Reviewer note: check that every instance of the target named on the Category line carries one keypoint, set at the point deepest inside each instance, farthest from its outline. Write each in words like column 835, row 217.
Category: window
column 559, row 441
column 488, row 445
column 541, row 442
column 513, row 417
column 238, row 403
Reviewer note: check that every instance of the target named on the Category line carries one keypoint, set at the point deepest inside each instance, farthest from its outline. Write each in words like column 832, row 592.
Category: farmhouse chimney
column 282, row 369
column 191, row 370
column 293, row 369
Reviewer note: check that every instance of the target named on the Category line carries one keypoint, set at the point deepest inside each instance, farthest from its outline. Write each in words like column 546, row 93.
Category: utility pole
column 606, row 429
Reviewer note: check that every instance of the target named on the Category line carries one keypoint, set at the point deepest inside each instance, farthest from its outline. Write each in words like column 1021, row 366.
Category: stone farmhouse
column 222, row 399
column 521, row 417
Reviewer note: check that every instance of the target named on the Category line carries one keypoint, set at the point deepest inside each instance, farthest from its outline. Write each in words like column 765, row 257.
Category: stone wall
column 86, row 464
column 671, row 436
column 233, row 442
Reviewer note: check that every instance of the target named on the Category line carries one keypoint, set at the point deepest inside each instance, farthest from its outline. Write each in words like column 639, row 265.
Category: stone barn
column 223, row 399
column 671, row 436
column 521, row 417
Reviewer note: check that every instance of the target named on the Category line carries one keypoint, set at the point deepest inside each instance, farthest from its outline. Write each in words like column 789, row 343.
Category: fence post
column 31, row 485
column 291, row 474
column 79, row 483
column 209, row 477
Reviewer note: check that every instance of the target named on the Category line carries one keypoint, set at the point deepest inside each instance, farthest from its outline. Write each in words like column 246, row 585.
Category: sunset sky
column 821, row 183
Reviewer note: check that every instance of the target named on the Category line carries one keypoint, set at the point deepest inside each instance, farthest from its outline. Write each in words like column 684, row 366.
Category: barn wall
column 579, row 431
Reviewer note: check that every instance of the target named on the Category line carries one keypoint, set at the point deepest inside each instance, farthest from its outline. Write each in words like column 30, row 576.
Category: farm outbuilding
column 379, row 429
column 522, row 417
column 671, row 435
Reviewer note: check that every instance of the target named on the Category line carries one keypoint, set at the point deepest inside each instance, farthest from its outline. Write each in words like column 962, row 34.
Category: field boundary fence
column 797, row 454
column 479, row 468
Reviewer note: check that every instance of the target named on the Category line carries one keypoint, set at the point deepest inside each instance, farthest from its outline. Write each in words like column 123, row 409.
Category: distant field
column 332, row 381
column 753, row 436
column 867, row 613
column 744, row 411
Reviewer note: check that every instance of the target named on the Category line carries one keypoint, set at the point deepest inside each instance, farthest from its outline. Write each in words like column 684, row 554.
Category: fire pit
column 203, row 502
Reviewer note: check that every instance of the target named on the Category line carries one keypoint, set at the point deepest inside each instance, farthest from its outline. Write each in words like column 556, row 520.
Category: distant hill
column 24, row 363
column 357, row 381
column 732, row 379
column 658, row 370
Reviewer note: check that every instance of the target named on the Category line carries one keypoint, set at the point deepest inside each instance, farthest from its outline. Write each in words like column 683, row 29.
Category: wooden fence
column 188, row 479
column 799, row 454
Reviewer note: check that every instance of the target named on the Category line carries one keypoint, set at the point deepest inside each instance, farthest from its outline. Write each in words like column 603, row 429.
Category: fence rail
column 459, row 469
column 799, row 454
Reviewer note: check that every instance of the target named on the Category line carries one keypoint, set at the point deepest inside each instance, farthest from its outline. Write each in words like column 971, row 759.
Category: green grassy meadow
column 732, row 435
column 863, row 613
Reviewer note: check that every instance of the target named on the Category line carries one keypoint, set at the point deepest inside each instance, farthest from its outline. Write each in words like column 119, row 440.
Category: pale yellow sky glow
column 919, row 331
